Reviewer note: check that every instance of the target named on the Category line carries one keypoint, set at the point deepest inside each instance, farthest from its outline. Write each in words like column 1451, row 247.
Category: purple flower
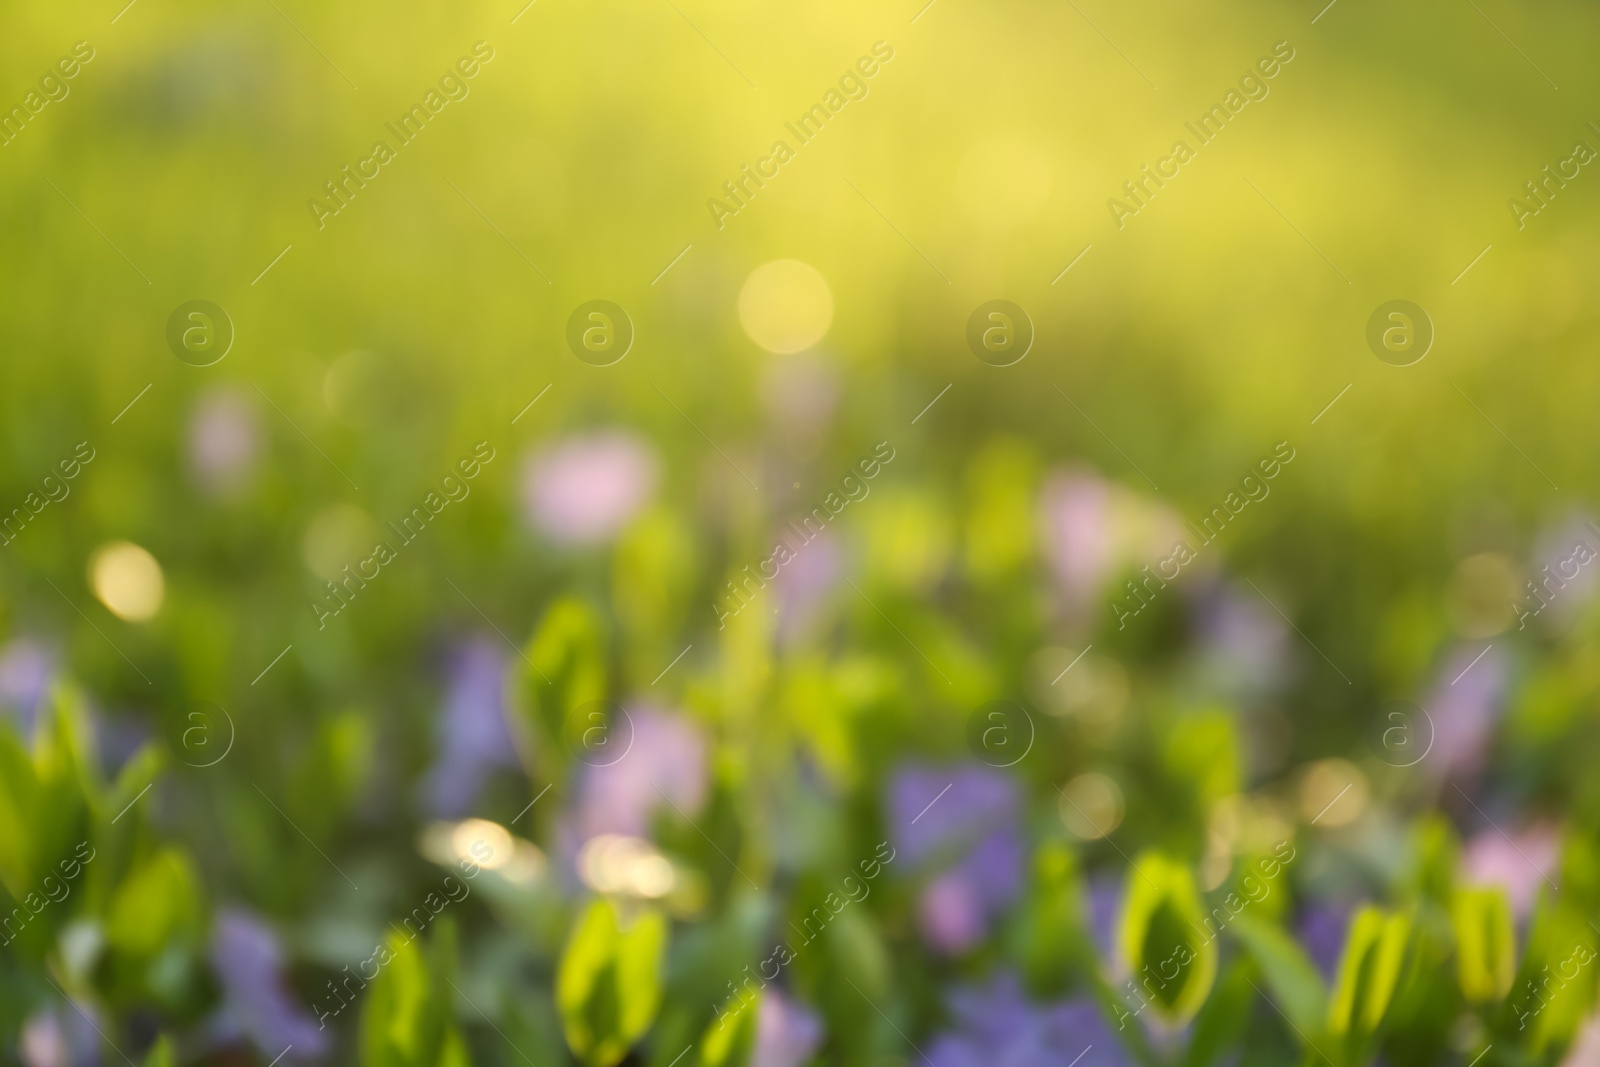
column 473, row 737
column 787, row 1033
column 1464, row 705
column 248, row 961
column 1559, row 573
column 805, row 581
column 936, row 812
column 961, row 823
column 1105, row 905
column 663, row 766
column 997, row 1026
column 587, row 488
column 1243, row 644
column 224, row 440
column 950, row 914
column 1321, row 932
column 26, row 671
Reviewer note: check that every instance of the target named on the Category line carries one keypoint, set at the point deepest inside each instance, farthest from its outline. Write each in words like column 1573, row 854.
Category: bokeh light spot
column 786, row 306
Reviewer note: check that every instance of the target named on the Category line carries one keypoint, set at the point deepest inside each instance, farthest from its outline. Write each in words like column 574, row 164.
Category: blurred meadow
column 571, row 581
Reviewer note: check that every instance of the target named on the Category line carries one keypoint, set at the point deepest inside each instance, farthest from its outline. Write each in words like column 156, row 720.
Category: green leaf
column 159, row 901
column 608, row 984
column 1291, row 978
column 1368, row 972
column 160, row 1054
column 1486, row 944
column 728, row 1042
column 407, row 1020
column 19, row 791
column 1202, row 749
column 565, row 673
column 653, row 573
column 1048, row 936
column 1159, row 937
column 1223, row 1018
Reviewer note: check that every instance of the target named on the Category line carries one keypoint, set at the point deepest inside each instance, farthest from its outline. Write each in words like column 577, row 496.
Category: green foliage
column 1160, row 932
column 1048, row 938
column 729, row 1042
column 563, row 675
column 1291, row 979
column 1369, row 971
column 1486, row 947
column 407, row 1019
column 608, row 984
column 160, row 1054
column 45, row 795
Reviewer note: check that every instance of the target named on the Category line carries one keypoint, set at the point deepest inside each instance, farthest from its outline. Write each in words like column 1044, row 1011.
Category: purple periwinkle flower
column 663, row 765
column 248, row 961
column 995, row 1025
column 960, row 823
column 473, row 737
column 26, row 671
column 787, row 1033
column 1321, row 932
column 1464, row 705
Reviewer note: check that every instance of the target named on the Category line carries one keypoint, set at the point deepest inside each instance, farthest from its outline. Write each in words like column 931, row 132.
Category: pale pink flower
column 1079, row 539
column 806, row 580
column 1464, row 705
column 950, row 913
column 1094, row 530
column 787, row 1033
column 662, row 766
column 224, row 440
column 586, row 489
column 1520, row 865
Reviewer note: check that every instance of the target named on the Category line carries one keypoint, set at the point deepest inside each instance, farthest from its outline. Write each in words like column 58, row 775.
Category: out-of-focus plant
column 608, row 985
column 409, row 1019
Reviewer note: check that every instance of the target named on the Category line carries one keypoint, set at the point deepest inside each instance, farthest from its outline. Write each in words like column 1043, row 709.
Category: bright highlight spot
column 615, row 863
column 1091, row 806
column 786, row 306
column 1333, row 793
column 488, row 844
column 127, row 580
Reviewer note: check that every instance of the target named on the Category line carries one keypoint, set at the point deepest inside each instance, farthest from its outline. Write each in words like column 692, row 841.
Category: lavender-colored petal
column 1243, row 644
column 1464, row 705
column 950, row 913
column 787, row 1033
column 665, row 767
column 1105, row 904
column 27, row 670
column 806, row 580
column 994, row 869
column 473, row 736
column 978, row 800
column 1321, row 932
column 248, row 962
column 997, row 1026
